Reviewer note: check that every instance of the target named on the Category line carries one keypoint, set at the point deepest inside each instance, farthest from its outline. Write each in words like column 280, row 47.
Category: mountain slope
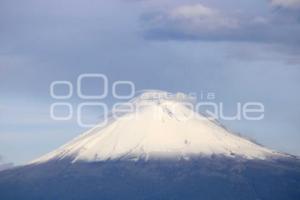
column 177, row 153
column 160, row 125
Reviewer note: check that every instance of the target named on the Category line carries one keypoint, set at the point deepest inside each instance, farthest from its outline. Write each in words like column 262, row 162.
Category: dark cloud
column 288, row 4
column 198, row 22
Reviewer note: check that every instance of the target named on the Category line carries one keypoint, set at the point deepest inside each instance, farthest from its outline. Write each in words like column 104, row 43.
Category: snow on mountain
column 162, row 125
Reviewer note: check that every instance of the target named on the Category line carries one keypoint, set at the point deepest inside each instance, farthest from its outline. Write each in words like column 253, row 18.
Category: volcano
column 158, row 147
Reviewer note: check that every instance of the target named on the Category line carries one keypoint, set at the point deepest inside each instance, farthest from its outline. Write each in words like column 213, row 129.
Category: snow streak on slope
column 161, row 126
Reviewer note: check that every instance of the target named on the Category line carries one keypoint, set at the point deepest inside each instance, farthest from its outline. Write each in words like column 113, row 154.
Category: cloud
column 191, row 11
column 193, row 21
column 201, row 16
column 200, row 22
column 291, row 4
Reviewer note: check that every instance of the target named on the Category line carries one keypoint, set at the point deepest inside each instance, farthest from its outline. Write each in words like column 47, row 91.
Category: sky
column 242, row 51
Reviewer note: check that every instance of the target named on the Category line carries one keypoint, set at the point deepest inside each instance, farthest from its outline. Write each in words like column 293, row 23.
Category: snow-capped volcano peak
column 158, row 125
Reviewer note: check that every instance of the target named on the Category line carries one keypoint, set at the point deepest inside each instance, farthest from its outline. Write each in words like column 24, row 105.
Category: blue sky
column 240, row 50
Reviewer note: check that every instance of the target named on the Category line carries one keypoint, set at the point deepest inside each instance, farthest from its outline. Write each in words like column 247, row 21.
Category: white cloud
column 199, row 17
column 293, row 4
column 193, row 11
column 193, row 19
